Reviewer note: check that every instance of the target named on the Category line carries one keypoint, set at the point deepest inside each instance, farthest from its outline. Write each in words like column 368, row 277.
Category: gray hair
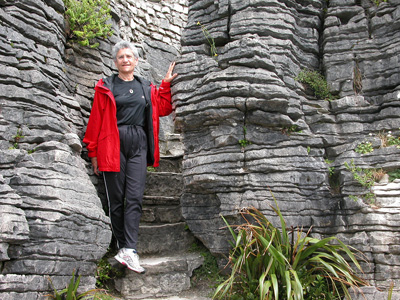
column 124, row 45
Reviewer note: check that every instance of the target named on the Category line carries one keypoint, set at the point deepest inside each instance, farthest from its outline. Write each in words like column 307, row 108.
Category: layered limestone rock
column 52, row 219
column 251, row 131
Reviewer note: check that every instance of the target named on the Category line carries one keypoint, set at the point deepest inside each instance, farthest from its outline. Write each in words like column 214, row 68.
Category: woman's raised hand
column 169, row 76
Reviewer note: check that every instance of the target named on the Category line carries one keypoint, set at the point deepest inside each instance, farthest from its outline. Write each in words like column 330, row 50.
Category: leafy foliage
column 377, row 2
column 365, row 177
column 331, row 170
column 288, row 130
column 88, row 20
column 268, row 263
column 395, row 174
column 16, row 139
column 317, row 83
column 71, row 291
column 364, row 148
column 387, row 139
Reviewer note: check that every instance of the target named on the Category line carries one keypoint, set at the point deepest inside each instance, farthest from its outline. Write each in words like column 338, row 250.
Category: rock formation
column 52, row 219
column 248, row 126
column 252, row 131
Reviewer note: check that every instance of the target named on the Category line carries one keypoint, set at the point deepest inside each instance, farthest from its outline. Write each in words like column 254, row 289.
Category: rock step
column 164, row 184
column 164, row 238
column 172, row 164
column 165, row 276
column 161, row 214
column 160, row 200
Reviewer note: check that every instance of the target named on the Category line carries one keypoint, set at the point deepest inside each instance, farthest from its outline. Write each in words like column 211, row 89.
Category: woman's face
column 126, row 61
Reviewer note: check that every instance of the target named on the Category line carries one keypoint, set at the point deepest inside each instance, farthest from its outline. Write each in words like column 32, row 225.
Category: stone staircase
column 164, row 241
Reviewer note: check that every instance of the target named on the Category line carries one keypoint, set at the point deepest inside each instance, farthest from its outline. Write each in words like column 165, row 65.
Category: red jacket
column 102, row 135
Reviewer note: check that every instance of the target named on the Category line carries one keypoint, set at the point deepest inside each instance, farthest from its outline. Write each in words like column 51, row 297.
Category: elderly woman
column 122, row 140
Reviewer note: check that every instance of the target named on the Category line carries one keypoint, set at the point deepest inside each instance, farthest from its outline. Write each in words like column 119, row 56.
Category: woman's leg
column 136, row 168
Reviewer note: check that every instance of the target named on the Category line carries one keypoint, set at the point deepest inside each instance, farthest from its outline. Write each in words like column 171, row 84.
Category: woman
column 122, row 140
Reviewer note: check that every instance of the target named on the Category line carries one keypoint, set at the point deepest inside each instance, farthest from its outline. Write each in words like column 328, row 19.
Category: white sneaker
column 130, row 259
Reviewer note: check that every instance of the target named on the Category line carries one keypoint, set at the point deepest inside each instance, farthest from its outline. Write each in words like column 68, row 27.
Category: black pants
column 125, row 188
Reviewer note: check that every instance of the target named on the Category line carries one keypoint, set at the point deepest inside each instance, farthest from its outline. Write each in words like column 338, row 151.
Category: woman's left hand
column 169, row 77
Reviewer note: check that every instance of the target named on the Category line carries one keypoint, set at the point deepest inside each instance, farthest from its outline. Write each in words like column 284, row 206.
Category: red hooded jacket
column 102, row 135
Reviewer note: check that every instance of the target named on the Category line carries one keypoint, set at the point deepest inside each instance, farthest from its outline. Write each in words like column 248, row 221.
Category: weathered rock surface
column 52, row 219
column 249, row 127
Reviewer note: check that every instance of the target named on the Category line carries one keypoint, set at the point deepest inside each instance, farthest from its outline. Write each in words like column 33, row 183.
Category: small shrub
column 365, row 177
column 387, row 139
column 16, row 139
column 88, row 20
column 317, row 82
column 364, row 148
column 362, row 176
column 71, row 291
column 271, row 263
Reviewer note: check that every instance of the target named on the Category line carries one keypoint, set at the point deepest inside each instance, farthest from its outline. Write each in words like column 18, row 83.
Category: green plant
column 395, row 174
column 390, row 291
column 330, row 169
column 364, row 147
column 151, row 169
column 377, row 2
column 31, row 151
column 16, row 139
column 106, row 274
column 308, row 149
column 362, row 176
column 387, row 139
column 271, row 263
column 209, row 39
column 70, row 292
column 317, row 82
column 244, row 142
column 365, row 177
column 88, row 20
column 288, row 130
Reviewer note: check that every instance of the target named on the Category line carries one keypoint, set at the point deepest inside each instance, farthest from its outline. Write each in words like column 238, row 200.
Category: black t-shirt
column 130, row 101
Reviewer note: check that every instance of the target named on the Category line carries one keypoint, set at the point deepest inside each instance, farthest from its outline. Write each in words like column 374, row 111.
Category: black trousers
column 125, row 188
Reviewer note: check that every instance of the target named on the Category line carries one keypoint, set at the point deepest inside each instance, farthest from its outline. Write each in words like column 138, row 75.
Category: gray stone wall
column 248, row 92
column 52, row 219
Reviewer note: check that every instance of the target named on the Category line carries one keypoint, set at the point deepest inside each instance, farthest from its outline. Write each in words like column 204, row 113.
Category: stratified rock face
column 52, row 221
column 250, row 128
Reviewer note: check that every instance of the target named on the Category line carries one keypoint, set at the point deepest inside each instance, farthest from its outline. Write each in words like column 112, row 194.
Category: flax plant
column 270, row 263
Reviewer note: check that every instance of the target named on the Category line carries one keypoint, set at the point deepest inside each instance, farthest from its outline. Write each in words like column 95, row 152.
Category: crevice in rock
column 228, row 29
column 321, row 35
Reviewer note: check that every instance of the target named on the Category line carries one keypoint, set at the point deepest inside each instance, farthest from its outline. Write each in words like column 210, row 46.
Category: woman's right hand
column 95, row 166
